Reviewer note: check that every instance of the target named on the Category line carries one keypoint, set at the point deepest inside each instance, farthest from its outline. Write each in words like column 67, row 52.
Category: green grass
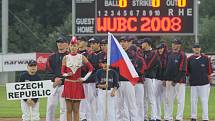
column 12, row 108
column 211, row 105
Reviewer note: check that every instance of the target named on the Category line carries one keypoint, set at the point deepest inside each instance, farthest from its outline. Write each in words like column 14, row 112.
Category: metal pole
column 197, row 2
column 73, row 17
column 4, row 26
column 5, row 75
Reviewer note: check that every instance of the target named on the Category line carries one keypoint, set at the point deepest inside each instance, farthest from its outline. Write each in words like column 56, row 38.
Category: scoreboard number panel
column 137, row 17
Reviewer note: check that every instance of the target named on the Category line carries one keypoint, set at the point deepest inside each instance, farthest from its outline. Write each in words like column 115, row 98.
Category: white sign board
column 30, row 89
column 17, row 62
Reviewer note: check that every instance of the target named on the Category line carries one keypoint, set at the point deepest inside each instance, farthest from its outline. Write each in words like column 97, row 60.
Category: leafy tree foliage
column 206, row 8
column 35, row 24
column 207, row 36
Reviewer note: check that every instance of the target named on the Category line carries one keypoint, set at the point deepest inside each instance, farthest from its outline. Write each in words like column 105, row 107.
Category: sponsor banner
column 29, row 89
column 17, row 62
column 42, row 59
column 1, row 67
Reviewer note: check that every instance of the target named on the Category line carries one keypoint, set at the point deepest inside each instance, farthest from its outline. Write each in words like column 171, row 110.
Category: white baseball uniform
column 52, row 102
column 139, row 93
column 88, row 106
column 178, row 92
column 26, row 111
column 203, row 93
column 149, row 97
column 100, row 115
column 160, row 97
column 126, row 97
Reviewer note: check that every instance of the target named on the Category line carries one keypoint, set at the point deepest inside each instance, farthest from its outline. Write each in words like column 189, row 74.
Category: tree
column 206, row 8
column 25, row 35
column 35, row 24
column 46, row 12
column 207, row 36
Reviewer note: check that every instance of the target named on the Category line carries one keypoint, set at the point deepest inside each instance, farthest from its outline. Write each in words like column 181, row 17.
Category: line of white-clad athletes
column 78, row 71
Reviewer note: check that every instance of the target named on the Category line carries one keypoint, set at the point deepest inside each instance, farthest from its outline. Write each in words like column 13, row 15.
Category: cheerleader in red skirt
column 73, row 89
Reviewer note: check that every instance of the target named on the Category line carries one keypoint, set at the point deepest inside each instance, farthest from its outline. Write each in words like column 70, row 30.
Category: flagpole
column 106, row 92
column 107, row 71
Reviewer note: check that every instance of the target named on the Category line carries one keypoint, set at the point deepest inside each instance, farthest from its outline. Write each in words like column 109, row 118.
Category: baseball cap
column 159, row 46
column 146, row 40
column 124, row 38
column 133, row 47
column 196, row 45
column 93, row 40
column 177, row 41
column 104, row 41
column 62, row 38
column 32, row 63
column 137, row 42
column 81, row 38
column 132, row 37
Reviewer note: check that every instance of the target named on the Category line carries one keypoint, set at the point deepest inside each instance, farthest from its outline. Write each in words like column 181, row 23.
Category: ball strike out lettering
column 155, row 3
column 179, row 3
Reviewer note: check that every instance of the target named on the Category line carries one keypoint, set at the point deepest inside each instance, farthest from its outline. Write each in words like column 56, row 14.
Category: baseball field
column 11, row 109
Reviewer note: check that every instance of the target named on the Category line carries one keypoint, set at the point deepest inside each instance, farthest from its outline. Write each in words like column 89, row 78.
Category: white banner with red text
column 18, row 62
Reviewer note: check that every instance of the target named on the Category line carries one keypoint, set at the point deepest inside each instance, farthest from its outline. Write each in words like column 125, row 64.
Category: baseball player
column 82, row 45
column 88, row 106
column 126, row 93
column 54, row 69
column 140, row 66
column 30, row 105
column 160, row 83
column 84, row 51
column 152, row 64
column 112, row 87
column 175, row 80
column 199, row 69
column 103, row 45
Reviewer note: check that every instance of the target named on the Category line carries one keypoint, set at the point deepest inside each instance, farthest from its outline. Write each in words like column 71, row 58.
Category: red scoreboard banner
column 138, row 17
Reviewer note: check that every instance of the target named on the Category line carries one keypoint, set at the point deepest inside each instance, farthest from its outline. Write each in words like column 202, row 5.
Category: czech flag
column 117, row 57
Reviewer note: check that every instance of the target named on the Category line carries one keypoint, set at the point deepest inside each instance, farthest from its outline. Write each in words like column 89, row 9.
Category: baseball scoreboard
column 138, row 17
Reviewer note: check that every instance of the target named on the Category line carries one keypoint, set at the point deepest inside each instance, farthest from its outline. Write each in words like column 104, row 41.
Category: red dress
column 73, row 90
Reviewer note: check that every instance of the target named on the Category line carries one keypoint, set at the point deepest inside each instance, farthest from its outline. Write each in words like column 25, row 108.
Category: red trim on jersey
column 144, row 66
column 210, row 70
column 188, row 59
column 182, row 61
column 150, row 62
column 89, row 66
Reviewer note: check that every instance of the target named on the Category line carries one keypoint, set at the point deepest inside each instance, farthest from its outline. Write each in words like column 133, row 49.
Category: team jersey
column 84, row 69
column 113, row 78
column 176, row 67
column 139, row 65
column 152, row 63
column 162, row 69
column 54, row 64
column 27, row 77
column 95, row 59
column 198, row 69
